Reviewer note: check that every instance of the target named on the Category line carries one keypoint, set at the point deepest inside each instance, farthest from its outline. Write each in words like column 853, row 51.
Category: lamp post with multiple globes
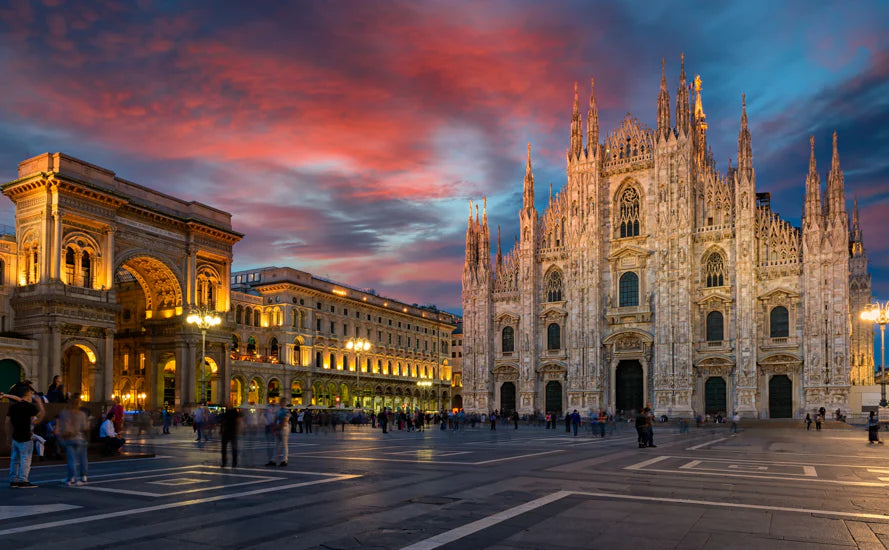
column 204, row 320
column 879, row 314
column 358, row 345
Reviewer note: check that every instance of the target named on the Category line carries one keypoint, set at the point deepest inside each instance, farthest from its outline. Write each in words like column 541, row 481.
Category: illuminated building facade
column 99, row 275
column 652, row 277
column 290, row 337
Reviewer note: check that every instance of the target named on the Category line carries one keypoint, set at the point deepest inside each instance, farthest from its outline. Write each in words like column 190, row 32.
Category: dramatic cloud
column 347, row 137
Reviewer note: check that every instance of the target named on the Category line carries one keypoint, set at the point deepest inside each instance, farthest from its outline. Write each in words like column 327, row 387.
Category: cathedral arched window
column 714, row 270
column 86, row 270
column 714, row 326
column 70, row 265
column 779, row 322
column 554, row 336
column 628, row 209
column 628, row 288
column 507, row 340
column 553, row 286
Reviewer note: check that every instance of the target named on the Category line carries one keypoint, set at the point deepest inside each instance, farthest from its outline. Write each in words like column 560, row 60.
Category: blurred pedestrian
column 74, row 427
column 231, row 427
column 575, row 421
column 873, row 429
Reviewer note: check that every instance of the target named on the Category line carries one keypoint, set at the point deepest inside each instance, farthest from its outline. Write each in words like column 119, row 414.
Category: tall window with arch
column 70, row 265
column 239, row 315
column 554, row 336
column 553, row 286
column 251, row 345
column 628, row 209
column 714, row 326
column 86, row 270
column 507, row 340
column 206, row 288
column 274, row 348
column 236, row 344
column 628, row 290
column 779, row 322
column 297, row 353
column 714, row 270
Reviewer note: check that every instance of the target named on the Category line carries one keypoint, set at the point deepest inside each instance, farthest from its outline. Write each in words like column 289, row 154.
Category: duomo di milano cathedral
column 653, row 277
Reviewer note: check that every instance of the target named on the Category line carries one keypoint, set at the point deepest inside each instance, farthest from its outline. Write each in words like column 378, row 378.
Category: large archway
column 780, row 397
column 77, row 361
column 507, row 398
column 628, row 386
column 714, row 396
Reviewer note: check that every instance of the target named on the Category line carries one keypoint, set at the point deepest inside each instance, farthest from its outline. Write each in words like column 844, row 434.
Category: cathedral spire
column 592, row 121
column 701, row 151
column 836, row 193
column 745, row 147
column 576, row 129
column 470, row 239
column 812, row 208
column 663, row 105
column 528, row 198
column 499, row 251
column 682, row 118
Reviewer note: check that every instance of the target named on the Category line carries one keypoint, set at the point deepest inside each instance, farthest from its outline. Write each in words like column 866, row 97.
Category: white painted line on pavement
column 690, row 465
column 99, row 463
column 645, row 463
column 484, row 523
column 702, row 445
column 170, row 505
column 9, row 512
column 810, row 471
column 471, row 528
column 785, row 477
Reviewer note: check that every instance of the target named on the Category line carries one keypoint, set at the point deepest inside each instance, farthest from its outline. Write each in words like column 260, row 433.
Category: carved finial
column 576, row 104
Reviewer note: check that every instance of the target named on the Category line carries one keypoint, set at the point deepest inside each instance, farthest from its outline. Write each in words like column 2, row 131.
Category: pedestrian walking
column 19, row 419
column 73, row 427
column 384, row 421
column 167, row 417
column 603, row 421
column 515, row 419
column 818, row 419
column 808, row 422
column 735, row 419
column 197, row 422
column 642, row 429
column 307, row 421
column 493, row 422
column 873, row 429
column 231, row 427
column 282, row 434
column 575, row 421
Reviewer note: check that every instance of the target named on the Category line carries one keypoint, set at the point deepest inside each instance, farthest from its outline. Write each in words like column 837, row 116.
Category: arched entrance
column 457, row 401
column 206, row 379
column 10, row 373
column 168, row 371
column 507, row 398
column 553, row 398
column 628, row 386
column 254, row 392
column 274, row 391
column 714, row 396
column 76, row 362
column 236, row 391
column 780, row 397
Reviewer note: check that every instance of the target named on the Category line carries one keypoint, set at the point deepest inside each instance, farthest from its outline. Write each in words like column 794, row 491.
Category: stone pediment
column 624, row 337
column 554, row 367
column 553, row 312
column 780, row 359
column 505, row 370
column 506, row 318
column 714, row 297
column 630, row 251
column 715, row 361
column 778, row 294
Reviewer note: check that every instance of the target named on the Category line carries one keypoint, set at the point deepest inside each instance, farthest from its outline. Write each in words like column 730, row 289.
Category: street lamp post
column 359, row 345
column 203, row 319
column 879, row 314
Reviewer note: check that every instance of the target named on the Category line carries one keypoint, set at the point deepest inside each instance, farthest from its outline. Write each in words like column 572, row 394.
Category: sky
column 346, row 138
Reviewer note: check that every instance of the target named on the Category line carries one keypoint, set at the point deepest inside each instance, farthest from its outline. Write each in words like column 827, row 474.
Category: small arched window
column 714, row 327
column 251, row 345
column 319, row 363
column 239, row 315
column 86, row 270
column 628, row 290
column 507, row 340
column 554, row 336
column 714, row 270
column 779, row 322
column 554, row 286
column 256, row 318
column 332, row 361
column 628, row 213
column 273, row 347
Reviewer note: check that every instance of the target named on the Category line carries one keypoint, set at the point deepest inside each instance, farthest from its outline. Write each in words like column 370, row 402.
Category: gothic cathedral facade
column 654, row 278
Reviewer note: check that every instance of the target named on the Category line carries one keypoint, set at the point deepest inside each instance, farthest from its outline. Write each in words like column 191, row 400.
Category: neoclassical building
column 290, row 339
column 654, row 277
column 99, row 274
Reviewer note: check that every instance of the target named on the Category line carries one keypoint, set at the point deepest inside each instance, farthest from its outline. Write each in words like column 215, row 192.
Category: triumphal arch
column 106, row 272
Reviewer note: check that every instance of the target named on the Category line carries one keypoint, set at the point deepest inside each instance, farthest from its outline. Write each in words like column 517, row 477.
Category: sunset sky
column 347, row 137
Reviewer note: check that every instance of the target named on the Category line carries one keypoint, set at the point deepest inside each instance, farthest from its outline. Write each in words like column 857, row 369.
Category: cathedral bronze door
column 780, row 397
column 554, row 397
column 507, row 398
column 714, row 396
column 628, row 387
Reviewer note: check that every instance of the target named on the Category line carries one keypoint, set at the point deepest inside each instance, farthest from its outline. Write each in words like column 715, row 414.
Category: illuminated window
column 70, row 262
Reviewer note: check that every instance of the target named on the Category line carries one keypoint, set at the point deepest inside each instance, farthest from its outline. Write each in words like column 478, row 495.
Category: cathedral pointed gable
column 629, row 147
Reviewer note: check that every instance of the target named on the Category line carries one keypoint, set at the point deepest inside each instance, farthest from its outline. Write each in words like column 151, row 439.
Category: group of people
column 29, row 430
